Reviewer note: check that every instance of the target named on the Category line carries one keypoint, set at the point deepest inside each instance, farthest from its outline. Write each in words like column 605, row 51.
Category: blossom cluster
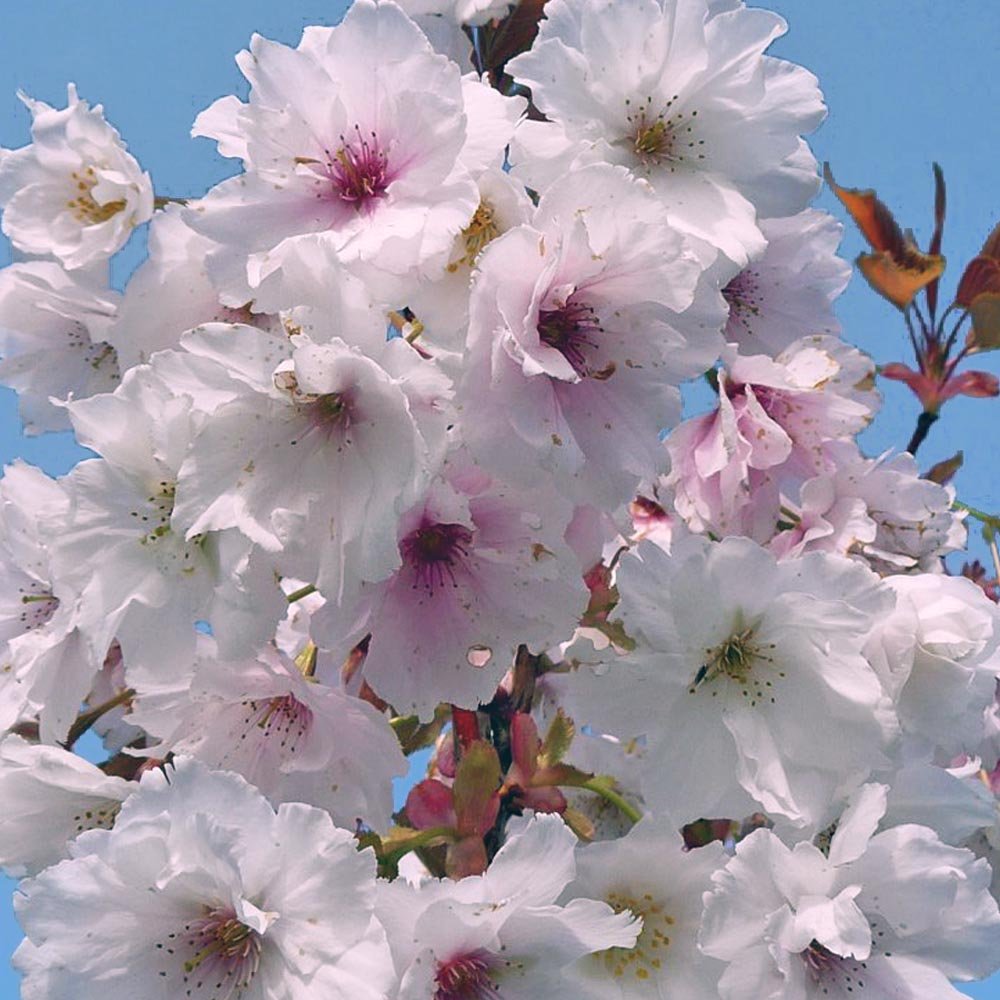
column 389, row 455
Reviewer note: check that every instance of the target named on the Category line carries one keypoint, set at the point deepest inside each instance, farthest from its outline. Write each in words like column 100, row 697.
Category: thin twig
column 917, row 353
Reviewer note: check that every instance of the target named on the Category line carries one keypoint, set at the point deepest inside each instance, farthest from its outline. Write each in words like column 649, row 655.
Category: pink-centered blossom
column 482, row 570
column 357, row 143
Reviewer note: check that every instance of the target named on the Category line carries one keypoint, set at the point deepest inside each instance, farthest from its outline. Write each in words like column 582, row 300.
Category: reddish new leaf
column 898, row 269
column 430, row 804
column 985, row 313
column 981, row 276
column 940, row 206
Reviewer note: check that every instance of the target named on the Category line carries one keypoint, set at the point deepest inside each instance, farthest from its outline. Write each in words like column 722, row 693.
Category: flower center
column 819, row 960
column 646, row 959
column 359, row 171
column 327, row 412
column 661, row 138
column 481, row 230
column 225, row 954
column 100, row 816
column 83, row 207
column 38, row 606
column 466, row 977
column 156, row 517
column 574, row 331
column 433, row 551
column 735, row 659
column 743, row 296
column 282, row 719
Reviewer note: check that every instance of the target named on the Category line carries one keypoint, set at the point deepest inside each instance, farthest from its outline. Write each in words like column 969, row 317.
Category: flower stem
column 161, row 201
column 420, row 838
column 297, row 595
column 87, row 719
column 924, row 423
column 995, row 553
column 607, row 793
column 991, row 525
column 991, row 521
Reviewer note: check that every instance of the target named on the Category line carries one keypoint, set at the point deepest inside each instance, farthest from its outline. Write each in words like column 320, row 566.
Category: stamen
column 646, row 960
column 466, row 977
column 328, row 412
column 281, row 721
column 573, row 330
column 84, row 208
column 359, row 170
column 743, row 296
column 39, row 606
column 156, row 517
column 477, row 234
column 433, row 551
column 743, row 661
column 661, row 138
column 224, row 954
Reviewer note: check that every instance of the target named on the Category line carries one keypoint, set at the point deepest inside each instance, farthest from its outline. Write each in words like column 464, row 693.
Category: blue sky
column 907, row 81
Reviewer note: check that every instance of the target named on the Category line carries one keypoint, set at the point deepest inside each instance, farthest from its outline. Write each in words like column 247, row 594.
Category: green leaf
column 477, row 782
column 558, row 738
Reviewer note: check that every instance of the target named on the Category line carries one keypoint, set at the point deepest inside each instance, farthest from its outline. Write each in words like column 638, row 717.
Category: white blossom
column 75, row 192
column 200, row 890
column 296, row 739
column 787, row 292
column 574, row 319
column 356, row 144
column 50, row 797
column 747, row 679
column 54, row 329
column 892, row 915
column 502, row 933
column 681, row 95
column 482, row 570
column 650, row 874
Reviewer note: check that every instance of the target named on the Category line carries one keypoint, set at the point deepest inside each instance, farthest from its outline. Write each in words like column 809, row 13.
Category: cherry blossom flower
column 53, row 338
column 787, row 292
column 896, row 914
column 295, row 739
column 574, row 319
column 318, row 434
column 46, row 672
column 502, row 933
column 50, row 797
column 769, row 433
column 356, row 143
column 913, row 516
column 442, row 305
column 201, row 890
column 120, row 548
column 684, row 97
column 725, row 680
column 938, row 657
column 483, row 569
column 75, row 192
column 171, row 293
column 649, row 874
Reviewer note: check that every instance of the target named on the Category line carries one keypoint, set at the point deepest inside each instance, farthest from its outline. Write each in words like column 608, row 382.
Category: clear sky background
column 907, row 82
